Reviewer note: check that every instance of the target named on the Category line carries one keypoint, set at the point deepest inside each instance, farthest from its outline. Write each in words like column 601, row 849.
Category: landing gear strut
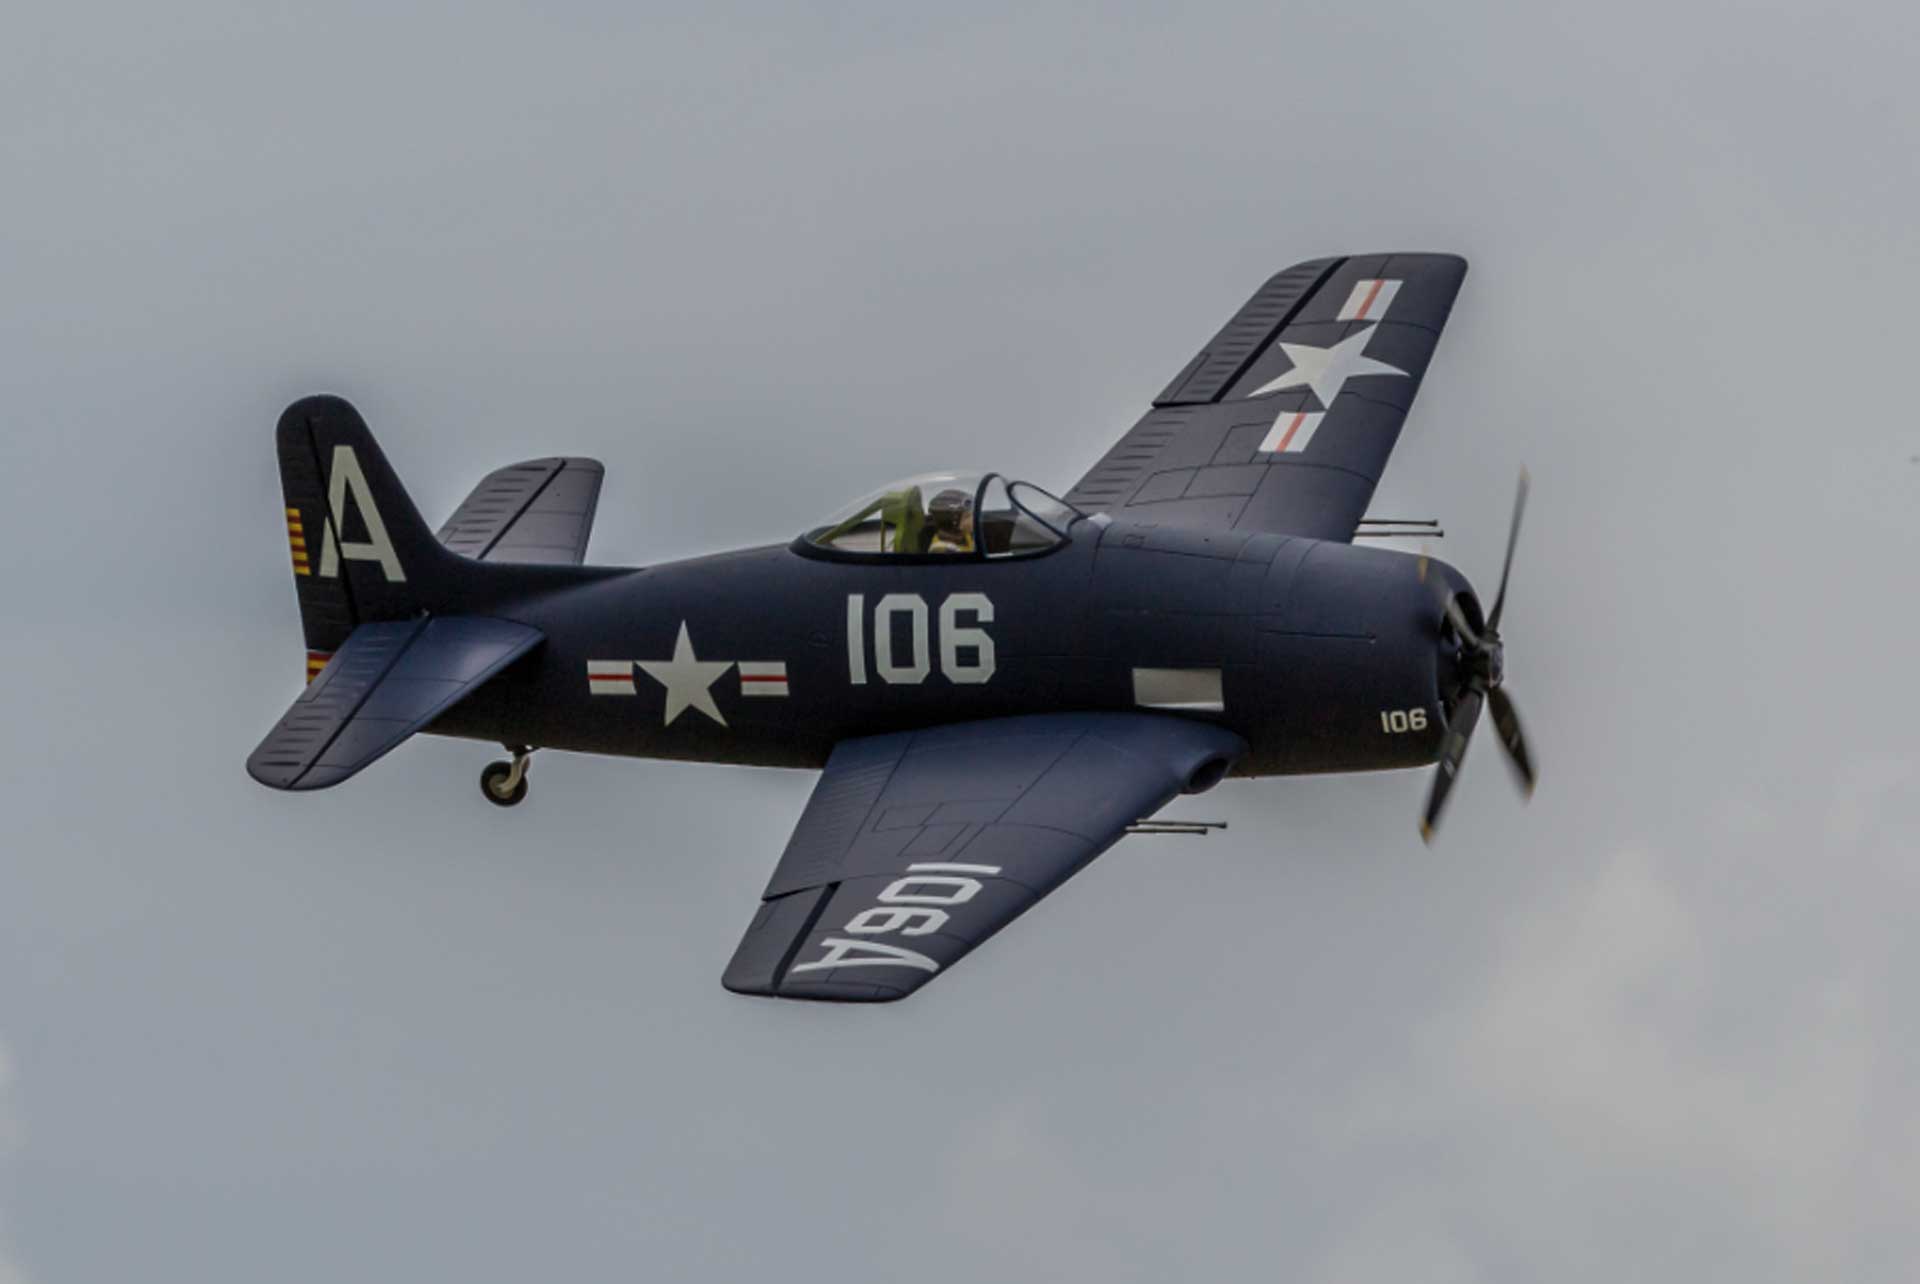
column 505, row 783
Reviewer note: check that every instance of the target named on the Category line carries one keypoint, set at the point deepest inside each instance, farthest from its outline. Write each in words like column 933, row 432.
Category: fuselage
column 1323, row 656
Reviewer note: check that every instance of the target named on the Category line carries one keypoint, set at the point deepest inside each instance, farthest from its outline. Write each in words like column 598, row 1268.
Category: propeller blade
column 1458, row 618
column 1453, row 752
column 1513, row 538
column 1506, row 720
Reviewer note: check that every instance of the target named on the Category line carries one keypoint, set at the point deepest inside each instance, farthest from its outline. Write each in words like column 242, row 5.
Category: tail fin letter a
column 345, row 477
column 361, row 554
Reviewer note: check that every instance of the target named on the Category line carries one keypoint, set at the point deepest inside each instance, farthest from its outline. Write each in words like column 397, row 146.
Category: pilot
column 950, row 522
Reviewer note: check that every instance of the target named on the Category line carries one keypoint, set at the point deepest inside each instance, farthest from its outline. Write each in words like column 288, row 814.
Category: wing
column 537, row 511
column 1285, row 421
column 916, row 847
column 385, row 682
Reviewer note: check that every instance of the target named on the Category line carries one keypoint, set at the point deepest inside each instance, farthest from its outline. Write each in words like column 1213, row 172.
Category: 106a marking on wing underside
column 905, row 911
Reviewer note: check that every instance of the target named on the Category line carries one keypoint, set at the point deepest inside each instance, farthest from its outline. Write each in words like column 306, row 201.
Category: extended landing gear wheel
column 505, row 783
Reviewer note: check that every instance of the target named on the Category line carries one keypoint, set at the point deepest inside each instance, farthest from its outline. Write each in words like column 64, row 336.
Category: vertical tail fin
column 361, row 552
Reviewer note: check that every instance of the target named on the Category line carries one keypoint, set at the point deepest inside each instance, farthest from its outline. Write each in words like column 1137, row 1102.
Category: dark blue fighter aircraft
column 995, row 683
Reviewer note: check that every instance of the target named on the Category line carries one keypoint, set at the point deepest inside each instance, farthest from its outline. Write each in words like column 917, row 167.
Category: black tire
column 493, row 778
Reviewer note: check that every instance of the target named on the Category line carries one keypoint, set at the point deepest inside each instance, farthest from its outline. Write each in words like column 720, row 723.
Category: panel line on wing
column 799, row 942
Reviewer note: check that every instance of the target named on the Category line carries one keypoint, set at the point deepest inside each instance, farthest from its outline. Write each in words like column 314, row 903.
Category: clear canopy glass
column 949, row 514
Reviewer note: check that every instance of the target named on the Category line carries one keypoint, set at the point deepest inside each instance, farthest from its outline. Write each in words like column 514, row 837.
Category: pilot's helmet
column 950, row 509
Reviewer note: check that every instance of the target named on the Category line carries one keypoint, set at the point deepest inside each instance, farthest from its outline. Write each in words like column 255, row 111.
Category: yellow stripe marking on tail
column 297, row 542
column 296, row 538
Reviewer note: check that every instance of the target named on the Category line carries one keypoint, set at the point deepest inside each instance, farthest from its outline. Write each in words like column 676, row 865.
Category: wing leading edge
column 918, row 846
column 1285, row 421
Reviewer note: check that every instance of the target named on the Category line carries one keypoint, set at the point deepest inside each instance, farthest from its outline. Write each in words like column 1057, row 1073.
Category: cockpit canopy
column 949, row 514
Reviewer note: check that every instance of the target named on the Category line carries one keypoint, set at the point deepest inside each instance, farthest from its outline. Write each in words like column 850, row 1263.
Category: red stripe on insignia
column 1372, row 294
column 763, row 677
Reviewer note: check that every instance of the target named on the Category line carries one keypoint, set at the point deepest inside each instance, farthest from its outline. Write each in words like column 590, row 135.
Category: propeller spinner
column 1483, row 656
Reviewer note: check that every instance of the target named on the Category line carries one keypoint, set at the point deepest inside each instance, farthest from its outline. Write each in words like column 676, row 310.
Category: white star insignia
column 1326, row 370
column 688, row 679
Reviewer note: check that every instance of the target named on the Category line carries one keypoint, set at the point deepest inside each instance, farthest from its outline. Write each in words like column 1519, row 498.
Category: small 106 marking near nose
column 1398, row 722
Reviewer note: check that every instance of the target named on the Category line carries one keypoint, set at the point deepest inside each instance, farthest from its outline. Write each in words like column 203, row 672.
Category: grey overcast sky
column 1661, row 1024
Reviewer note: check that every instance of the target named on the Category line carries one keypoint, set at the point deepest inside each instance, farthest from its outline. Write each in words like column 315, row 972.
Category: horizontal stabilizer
column 387, row 681
column 537, row 511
